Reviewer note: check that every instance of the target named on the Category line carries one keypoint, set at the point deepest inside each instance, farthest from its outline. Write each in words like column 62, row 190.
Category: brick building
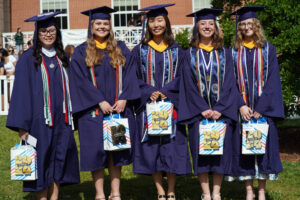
column 72, row 21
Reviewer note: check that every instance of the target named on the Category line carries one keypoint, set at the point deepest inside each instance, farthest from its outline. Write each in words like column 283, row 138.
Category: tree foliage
column 281, row 22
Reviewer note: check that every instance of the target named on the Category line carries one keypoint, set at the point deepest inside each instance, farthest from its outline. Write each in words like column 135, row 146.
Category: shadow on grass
column 141, row 187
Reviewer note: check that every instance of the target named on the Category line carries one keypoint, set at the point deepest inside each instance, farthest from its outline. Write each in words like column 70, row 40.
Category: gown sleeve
column 21, row 105
column 191, row 104
column 83, row 93
column 227, row 104
column 146, row 89
column 270, row 103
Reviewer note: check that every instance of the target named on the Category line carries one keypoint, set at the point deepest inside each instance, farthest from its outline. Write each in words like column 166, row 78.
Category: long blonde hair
column 94, row 57
column 217, row 39
column 258, row 36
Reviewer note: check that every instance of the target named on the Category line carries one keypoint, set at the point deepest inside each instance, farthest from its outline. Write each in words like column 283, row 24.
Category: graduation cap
column 246, row 12
column 102, row 12
column 43, row 20
column 204, row 14
column 155, row 11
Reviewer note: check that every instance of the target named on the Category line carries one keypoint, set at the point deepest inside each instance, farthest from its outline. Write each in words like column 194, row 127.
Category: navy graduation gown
column 269, row 104
column 86, row 96
column 57, row 156
column 192, row 104
column 160, row 153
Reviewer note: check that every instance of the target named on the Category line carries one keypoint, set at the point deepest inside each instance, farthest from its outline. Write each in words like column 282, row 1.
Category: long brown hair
column 217, row 39
column 168, row 36
column 94, row 57
column 258, row 36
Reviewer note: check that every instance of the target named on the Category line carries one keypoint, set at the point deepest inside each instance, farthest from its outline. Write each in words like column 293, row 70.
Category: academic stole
column 147, row 55
column 210, row 77
column 260, row 72
column 67, row 105
column 119, row 85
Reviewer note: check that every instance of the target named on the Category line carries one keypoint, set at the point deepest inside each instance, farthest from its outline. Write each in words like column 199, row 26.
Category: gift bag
column 212, row 134
column 254, row 137
column 23, row 163
column 159, row 118
column 116, row 134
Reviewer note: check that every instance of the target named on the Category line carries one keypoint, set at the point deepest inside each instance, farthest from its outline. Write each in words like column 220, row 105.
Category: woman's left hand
column 162, row 96
column 216, row 115
column 257, row 115
column 119, row 106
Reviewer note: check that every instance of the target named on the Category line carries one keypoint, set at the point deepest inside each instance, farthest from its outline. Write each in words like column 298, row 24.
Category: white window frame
column 194, row 6
column 123, row 12
column 60, row 15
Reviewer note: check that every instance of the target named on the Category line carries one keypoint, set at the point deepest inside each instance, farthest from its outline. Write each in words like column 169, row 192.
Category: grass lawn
column 137, row 187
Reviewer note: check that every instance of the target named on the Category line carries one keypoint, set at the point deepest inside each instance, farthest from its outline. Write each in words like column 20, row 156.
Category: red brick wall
column 79, row 21
column 177, row 13
column 21, row 10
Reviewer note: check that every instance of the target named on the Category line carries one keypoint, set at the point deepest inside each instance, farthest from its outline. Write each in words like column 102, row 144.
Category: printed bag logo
column 159, row 120
column 253, row 139
column 22, row 165
column 118, row 134
column 211, row 140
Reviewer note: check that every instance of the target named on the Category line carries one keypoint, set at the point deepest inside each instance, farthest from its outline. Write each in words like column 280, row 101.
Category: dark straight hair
column 58, row 46
column 168, row 36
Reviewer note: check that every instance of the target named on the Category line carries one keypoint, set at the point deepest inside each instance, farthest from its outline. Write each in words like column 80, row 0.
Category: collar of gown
column 207, row 48
column 160, row 48
column 49, row 52
column 101, row 45
column 249, row 45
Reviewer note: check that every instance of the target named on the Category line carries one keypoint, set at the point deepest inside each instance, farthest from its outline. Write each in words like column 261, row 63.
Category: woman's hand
column 246, row 113
column 119, row 106
column 207, row 114
column 216, row 115
column 162, row 95
column 105, row 107
column 257, row 115
column 23, row 134
column 154, row 96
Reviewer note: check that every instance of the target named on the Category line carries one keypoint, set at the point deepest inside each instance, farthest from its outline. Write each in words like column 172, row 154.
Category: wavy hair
column 258, row 36
column 217, row 39
column 58, row 46
column 168, row 36
column 94, row 57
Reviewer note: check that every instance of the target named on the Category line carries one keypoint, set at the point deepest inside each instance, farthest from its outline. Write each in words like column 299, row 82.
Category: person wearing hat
column 260, row 99
column 41, row 107
column 103, row 81
column 206, row 93
column 159, row 61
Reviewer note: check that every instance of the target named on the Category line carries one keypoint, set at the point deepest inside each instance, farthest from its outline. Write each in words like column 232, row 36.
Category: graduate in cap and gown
column 159, row 61
column 259, row 98
column 104, row 80
column 41, row 107
column 206, row 93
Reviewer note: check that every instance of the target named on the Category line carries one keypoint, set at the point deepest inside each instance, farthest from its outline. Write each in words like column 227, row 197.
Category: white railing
column 130, row 35
column 6, row 86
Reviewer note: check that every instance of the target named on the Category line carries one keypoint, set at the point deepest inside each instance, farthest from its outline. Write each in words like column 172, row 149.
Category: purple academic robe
column 57, row 156
column 86, row 96
column 160, row 153
column 192, row 104
column 269, row 104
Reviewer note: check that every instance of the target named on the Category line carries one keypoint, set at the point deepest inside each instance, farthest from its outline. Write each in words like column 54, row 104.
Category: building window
column 57, row 5
column 127, row 13
column 199, row 4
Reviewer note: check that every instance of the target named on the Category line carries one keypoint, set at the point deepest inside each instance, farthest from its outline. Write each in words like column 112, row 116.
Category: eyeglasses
column 249, row 24
column 45, row 32
column 10, row 50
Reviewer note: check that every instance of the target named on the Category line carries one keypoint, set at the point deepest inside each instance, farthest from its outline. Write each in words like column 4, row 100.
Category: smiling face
column 100, row 29
column 47, row 36
column 157, row 25
column 206, row 28
column 247, row 27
